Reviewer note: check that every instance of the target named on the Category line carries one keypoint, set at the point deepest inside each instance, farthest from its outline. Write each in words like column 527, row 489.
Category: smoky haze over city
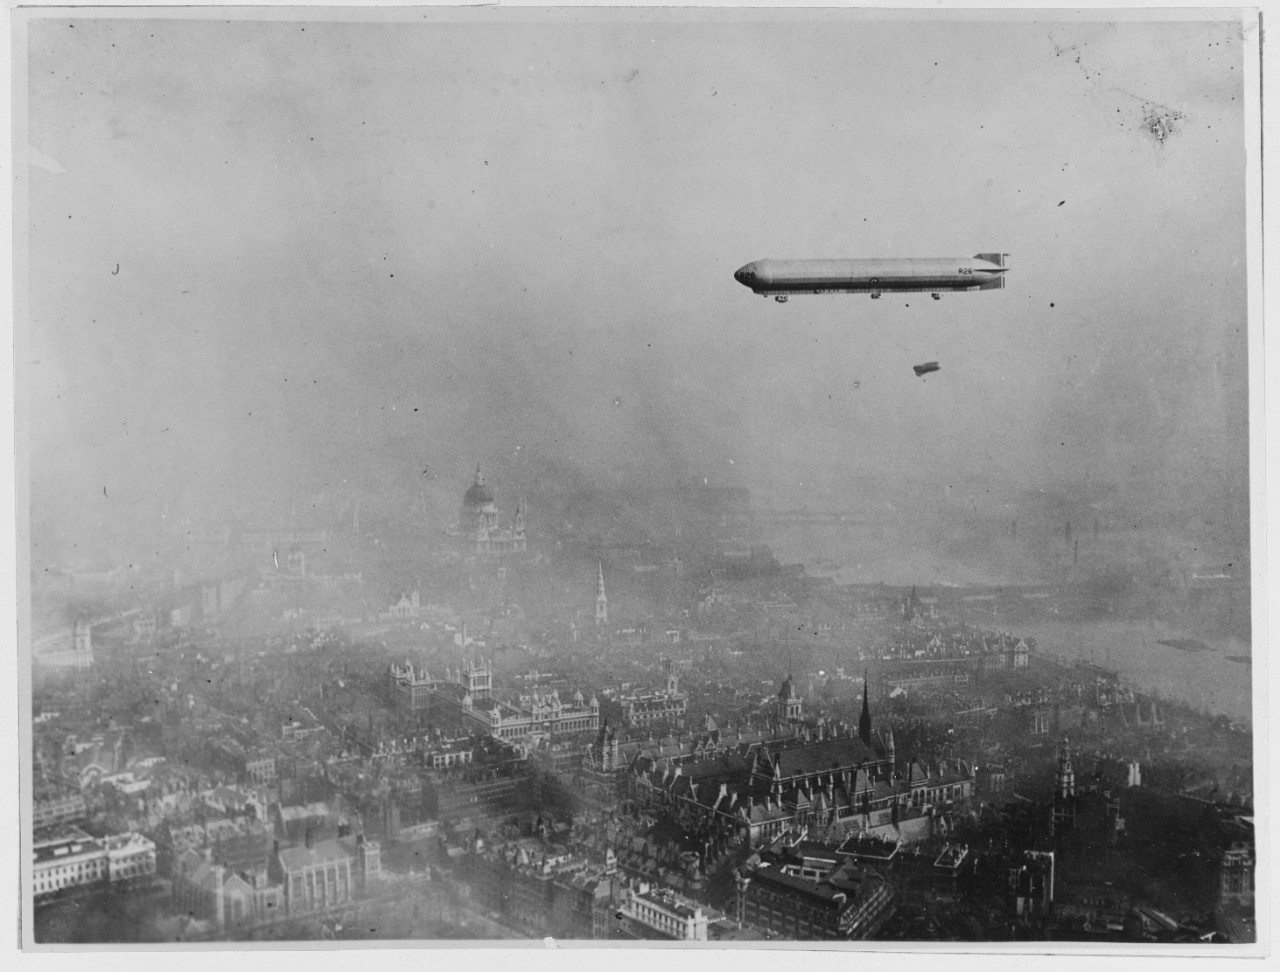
column 381, row 381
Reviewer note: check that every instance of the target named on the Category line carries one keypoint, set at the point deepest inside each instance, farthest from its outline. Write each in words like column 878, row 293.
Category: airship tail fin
column 999, row 259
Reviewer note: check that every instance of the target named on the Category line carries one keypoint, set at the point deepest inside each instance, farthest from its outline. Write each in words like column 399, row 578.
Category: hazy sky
column 348, row 251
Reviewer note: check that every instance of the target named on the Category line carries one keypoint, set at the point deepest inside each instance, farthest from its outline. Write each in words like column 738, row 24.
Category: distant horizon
column 271, row 256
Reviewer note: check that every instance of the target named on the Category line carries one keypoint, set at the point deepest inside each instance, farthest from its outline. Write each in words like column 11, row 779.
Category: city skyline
column 590, row 219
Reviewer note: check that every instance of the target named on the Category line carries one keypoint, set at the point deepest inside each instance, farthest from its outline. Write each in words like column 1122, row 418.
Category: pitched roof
column 822, row 756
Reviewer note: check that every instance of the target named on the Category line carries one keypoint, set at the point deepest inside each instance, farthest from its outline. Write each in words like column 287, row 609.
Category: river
column 1206, row 679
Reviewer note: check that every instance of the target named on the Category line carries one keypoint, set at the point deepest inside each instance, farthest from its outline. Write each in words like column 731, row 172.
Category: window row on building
column 73, row 859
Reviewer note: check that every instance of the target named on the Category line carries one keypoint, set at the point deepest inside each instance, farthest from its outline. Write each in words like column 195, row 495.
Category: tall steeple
column 602, row 602
column 790, row 706
column 1066, row 773
column 518, row 540
column 1064, row 799
column 864, row 721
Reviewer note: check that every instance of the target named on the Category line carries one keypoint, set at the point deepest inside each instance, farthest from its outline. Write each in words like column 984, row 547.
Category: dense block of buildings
column 233, row 881
column 773, row 787
column 242, row 844
column 807, row 898
column 247, row 765
column 544, row 889
column 465, row 700
column 57, row 804
column 483, row 797
column 667, row 706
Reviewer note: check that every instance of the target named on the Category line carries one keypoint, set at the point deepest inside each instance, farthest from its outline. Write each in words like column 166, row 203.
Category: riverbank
column 1211, row 679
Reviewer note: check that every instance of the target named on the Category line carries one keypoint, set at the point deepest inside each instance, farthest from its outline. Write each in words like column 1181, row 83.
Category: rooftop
column 129, row 841
column 672, row 902
column 320, row 853
column 822, row 894
column 68, row 849
column 822, row 756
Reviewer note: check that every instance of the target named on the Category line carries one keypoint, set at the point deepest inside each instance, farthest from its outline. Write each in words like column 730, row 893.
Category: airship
column 923, row 369
column 780, row 279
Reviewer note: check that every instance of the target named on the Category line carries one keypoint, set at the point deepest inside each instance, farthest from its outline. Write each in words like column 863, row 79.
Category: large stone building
column 667, row 706
column 466, row 700
column 71, row 648
column 656, row 912
column 323, row 874
column 603, row 773
column 67, row 860
column 208, row 889
column 804, row 899
column 486, row 797
column 1235, row 873
column 765, row 789
column 71, row 858
column 479, row 524
column 409, row 687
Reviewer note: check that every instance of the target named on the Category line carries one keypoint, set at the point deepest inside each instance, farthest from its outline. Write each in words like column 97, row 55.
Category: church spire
column 602, row 602
column 864, row 721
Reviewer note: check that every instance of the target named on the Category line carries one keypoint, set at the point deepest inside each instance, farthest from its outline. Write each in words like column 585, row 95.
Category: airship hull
column 933, row 275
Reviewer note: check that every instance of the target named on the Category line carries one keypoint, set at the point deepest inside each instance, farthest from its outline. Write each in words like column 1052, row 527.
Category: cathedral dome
column 478, row 494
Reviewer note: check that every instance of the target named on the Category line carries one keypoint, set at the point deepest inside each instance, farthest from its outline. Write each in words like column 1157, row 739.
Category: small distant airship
column 780, row 279
column 924, row 369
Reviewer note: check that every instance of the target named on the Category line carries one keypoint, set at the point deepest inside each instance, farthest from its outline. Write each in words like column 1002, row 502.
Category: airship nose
column 745, row 274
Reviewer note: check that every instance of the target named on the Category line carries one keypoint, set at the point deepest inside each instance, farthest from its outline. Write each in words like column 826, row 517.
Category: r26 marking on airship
column 965, row 270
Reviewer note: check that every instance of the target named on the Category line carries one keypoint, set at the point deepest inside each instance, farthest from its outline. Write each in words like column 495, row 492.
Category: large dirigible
column 780, row 279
